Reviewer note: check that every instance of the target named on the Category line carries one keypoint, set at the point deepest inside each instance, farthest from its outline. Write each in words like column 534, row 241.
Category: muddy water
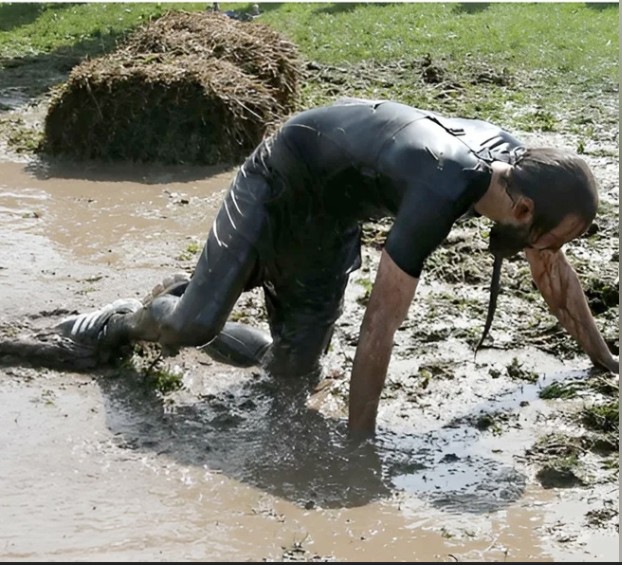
column 81, row 222
column 93, row 467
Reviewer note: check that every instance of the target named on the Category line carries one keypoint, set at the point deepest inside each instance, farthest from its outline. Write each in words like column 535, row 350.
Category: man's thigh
column 229, row 261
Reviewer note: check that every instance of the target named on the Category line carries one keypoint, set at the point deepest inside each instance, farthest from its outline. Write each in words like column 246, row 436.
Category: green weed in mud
column 558, row 445
column 601, row 294
column 146, row 362
column 612, row 463
column 489, row 423
column 20, row 137
column 515, row 370
column 602, row 385
column 562, row 456
column 367, row 285
column 559, row 390
column 190, row 253
column 602, row 417
column 602, row 517
column 437, row 370
column 559, row 457
column 495, row 422
column 561, row 472
column 48, row 397
column 607, row 386
column 165, row 381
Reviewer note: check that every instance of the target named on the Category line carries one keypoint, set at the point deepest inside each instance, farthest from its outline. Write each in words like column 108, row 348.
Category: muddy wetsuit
column 291, row 223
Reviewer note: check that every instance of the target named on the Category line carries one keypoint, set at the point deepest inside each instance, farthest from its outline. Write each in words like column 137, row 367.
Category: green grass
column 560, row 37
column 603, row 417
column 559, row 390
column 83, row 29
column 559, row 58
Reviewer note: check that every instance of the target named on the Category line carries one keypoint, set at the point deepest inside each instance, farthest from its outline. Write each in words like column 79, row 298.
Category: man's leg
column 226, row 268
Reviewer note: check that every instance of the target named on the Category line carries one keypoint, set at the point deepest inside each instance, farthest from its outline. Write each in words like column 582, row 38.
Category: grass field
column 532, row 66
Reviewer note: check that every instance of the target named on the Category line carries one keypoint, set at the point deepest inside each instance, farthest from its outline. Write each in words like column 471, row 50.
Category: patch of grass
column 21, row 137
column 146, row 361
column 80, row 28
column 165, row 381
column 192, row 249
column 515, row 370
column 548, row 67
column 560, row 390
column 602, row 417
column 367, row 285
column 533, row 36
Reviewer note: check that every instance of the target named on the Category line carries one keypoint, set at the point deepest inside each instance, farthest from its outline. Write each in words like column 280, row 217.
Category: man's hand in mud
column 612, row 364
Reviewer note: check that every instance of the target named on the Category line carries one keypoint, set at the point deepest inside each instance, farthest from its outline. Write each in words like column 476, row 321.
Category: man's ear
column 523, row 210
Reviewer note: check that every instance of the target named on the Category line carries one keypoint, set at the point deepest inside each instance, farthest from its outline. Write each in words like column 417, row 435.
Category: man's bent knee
column 281, row 363
column 158, row 321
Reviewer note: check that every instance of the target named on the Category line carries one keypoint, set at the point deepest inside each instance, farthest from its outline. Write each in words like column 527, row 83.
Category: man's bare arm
column 388, row 305
column 561, row 289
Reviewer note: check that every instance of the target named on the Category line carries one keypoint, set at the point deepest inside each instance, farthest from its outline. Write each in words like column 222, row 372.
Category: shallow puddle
column 97, row 468
column 76, row 221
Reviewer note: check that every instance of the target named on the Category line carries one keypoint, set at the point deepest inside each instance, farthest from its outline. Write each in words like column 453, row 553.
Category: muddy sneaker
column 91, row 328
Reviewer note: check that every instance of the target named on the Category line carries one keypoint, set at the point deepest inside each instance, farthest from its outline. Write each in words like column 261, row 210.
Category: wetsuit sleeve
column 427, row 214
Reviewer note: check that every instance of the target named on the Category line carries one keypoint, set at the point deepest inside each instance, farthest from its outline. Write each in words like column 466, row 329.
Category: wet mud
column 498, row 456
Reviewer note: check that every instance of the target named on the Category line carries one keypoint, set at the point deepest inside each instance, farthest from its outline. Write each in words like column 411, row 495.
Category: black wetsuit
column 291, row 219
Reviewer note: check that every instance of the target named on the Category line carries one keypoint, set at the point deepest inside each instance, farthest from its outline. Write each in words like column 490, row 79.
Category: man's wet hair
column 559, row 183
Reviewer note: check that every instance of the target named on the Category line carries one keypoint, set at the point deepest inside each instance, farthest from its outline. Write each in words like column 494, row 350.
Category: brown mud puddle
column 97, row 467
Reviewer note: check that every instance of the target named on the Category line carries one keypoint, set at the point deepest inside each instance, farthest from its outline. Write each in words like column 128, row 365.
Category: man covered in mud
column 291, row 224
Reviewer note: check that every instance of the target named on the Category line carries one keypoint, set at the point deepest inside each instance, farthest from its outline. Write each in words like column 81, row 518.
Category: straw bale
column 188, row 88
column 257, row 49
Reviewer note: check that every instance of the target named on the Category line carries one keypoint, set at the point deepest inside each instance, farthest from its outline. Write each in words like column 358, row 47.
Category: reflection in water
column 262, row 433
column 122, row 214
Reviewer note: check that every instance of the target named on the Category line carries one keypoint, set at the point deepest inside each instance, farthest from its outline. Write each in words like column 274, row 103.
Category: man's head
column 554, row 197
column 553, row 200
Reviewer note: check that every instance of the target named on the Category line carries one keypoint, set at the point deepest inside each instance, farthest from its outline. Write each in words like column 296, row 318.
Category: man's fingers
column 614, row 365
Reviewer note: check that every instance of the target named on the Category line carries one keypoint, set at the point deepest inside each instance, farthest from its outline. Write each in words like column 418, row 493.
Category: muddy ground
column 511, row 455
